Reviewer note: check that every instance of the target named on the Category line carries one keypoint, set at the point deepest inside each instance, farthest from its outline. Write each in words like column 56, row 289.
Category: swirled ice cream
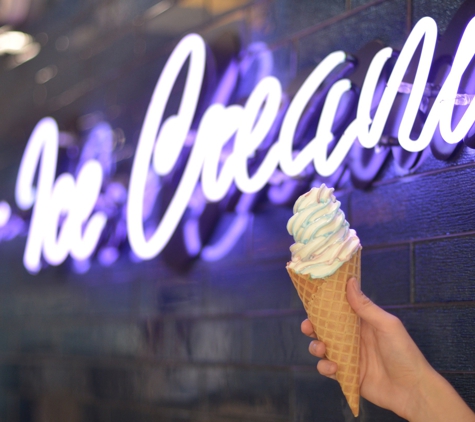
column 323, row 238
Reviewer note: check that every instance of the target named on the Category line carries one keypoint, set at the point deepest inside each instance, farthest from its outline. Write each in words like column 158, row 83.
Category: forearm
column 437, row 401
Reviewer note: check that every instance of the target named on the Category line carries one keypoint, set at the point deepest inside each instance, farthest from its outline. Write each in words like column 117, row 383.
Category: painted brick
column 248, row 393
column 220, row 236
column 266, row 286
column 26, row 409
column 314, row 395
column 418, row 208
column 180, row 340
column 94, row 413
column 385, row 275
column 168, row 386
column 427, row 163
column 344, row 198
column 8, row 339
column 57, row 407
column 216, row 385
column 111, row 383
column 30, row 379
column 285, row 64
column 12, row 274
column 38, row 340
column 180, row 295
column 279, row 341
column 13, row 408
column 385, row 22
column 157, row 338
column 121, row 415
column 116, row 53
column 357, row 3
column 372, row 413
column 270, row 236
column 63, row 378
column 111, row 298
column 450, row 326
column 114, row 339
column 441, row 11
column 41, row 299
column 51, row 378
column 444, row 270
column 9, row 377
column 210, row 340
column 148, row 298
column 285, row 19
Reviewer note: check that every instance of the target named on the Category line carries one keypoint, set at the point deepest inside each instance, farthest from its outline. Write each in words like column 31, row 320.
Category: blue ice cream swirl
column 323, row 238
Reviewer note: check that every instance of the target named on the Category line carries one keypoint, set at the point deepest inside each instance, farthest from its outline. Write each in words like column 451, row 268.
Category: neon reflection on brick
column 65, row 220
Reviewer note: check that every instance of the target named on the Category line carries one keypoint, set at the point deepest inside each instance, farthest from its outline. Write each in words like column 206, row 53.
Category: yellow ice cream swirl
column 323, row 238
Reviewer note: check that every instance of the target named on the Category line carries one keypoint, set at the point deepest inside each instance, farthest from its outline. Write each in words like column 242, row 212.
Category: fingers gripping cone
column 335, row 322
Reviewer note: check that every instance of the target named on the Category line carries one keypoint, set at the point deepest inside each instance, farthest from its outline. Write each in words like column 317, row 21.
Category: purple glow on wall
column 5, row 213
column 228, row 240
column 247, row 133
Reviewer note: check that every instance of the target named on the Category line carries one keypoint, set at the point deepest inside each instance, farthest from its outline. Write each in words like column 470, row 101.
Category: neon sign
column 66, row 198
column 236, row 150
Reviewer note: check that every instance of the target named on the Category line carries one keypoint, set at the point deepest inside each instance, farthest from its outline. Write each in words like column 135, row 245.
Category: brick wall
column 221, row 342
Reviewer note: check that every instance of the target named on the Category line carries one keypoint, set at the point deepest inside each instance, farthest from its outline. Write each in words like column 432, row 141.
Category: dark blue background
column 221, row 342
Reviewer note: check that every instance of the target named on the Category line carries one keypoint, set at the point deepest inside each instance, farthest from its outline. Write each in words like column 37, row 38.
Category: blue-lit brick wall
column 220, row 342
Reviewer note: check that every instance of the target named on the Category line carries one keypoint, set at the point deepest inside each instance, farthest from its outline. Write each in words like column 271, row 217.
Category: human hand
column 394, row 374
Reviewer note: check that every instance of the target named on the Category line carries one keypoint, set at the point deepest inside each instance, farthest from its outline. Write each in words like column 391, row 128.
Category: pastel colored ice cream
column 323, row 238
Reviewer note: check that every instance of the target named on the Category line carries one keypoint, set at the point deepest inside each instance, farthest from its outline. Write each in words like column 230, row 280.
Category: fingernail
column 314, row 347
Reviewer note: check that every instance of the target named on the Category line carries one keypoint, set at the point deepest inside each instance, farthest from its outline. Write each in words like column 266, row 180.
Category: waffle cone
column 335, row 323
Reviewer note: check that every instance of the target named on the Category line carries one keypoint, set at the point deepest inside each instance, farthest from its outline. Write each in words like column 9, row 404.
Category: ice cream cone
column 335, row 323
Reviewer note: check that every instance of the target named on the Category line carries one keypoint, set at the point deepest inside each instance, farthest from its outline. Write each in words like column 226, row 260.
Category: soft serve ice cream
column 326, row 253
column 323, row 238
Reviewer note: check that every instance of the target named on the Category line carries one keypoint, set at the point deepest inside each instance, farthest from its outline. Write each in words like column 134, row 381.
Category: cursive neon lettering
column 325, row 164
column 446, row 98
column 41, row 151
column 367, row 137
column 165, row 147
column 53, row 201
column 294, row 166
column 425, row 29
column 217, row 127
column 263, row 105
column 233, row 144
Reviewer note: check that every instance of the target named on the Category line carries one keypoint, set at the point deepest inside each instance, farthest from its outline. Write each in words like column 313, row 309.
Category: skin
column 394, row 373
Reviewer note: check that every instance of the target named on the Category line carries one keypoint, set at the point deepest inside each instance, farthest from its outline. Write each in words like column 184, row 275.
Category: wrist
column 435, row 400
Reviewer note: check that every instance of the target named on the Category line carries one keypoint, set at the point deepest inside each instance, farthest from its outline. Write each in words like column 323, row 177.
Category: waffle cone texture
column 335, row 323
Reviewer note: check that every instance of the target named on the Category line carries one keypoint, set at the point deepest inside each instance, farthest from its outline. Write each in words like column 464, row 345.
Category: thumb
column 363, row 306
